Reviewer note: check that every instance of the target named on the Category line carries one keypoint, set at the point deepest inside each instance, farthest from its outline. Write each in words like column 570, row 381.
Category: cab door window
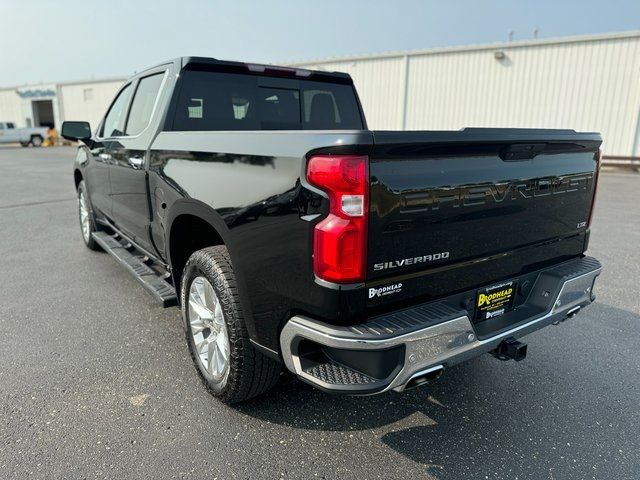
column 113, row 125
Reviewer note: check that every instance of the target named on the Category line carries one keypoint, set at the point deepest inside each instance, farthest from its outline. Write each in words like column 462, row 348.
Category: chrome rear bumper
column 423, row 339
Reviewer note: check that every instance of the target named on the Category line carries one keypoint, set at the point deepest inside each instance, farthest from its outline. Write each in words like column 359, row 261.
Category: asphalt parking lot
column 96, row 380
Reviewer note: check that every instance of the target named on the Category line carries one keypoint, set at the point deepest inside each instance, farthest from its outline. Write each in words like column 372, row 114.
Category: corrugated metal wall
column 587, row 84
column 87, row 101
column 11, row 107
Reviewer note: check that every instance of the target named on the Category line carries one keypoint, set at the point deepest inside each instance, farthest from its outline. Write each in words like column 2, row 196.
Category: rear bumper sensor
column 138, row 265
column 413, row 346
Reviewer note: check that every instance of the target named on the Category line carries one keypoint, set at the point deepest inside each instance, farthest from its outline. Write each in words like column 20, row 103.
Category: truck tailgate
column 456, row 210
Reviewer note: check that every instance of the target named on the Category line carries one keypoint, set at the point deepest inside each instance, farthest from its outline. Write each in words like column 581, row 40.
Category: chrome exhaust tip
column 422, row 378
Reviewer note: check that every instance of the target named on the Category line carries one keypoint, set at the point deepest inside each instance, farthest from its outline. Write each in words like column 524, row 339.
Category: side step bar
column 151, row 280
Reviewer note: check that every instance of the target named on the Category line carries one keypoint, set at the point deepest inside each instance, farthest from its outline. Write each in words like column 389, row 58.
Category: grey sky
column 73, row 40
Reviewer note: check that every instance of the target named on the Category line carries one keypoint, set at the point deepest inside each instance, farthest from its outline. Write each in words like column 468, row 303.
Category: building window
column 87, row 93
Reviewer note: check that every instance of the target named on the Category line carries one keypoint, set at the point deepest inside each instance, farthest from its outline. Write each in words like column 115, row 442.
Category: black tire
column 36, row 141
column 88, row 241
column 250, row 372
column 24, row 144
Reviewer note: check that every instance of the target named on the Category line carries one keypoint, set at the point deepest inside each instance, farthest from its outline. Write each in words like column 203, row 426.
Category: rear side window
column 210, row 101
column 143, row 102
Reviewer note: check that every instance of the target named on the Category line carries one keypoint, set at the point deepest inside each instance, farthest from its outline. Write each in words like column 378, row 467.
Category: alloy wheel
column 83, row 211
column 208, row 329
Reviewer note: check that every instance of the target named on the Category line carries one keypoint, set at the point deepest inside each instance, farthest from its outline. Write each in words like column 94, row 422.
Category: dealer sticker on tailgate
column 495, row 300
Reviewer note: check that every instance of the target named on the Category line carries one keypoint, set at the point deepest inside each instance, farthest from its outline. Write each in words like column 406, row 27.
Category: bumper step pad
column 405, row 321
column 152, row 281
column 335, row 374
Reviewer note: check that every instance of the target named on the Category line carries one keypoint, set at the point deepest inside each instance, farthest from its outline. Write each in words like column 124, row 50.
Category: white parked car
column 25, row 136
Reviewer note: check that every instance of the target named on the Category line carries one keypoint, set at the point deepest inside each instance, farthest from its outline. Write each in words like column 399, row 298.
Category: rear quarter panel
column 253, row 187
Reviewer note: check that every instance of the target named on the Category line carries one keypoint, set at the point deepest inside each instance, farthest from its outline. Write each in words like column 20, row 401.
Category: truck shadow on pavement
column 487, row 417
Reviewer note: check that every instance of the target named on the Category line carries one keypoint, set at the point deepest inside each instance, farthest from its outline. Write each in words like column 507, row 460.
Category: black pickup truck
column 256, row 199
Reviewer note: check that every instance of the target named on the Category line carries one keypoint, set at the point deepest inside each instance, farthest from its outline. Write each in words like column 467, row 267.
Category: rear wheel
column 229, row 365
column 86, row 217
column 24, row 144
column 36, row 141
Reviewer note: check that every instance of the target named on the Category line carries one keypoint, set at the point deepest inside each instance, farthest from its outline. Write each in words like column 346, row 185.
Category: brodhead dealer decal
column 495, row 297
column 386, row 290
column 497, row 300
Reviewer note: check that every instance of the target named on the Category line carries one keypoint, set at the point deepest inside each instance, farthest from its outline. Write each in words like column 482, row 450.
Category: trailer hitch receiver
column 510, row 349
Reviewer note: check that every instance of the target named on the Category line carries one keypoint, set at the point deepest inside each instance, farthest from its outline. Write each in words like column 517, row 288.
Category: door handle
column 136, row 162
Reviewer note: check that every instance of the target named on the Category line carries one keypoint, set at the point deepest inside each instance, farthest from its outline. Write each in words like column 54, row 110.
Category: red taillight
column 595, row 187
column 340, row 240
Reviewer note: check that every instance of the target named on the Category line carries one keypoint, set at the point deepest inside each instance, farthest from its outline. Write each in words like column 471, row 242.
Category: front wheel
column 36, row 141
column 229, row 365
column 85, row 215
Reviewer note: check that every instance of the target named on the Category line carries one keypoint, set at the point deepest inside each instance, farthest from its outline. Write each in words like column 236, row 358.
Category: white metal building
column 51, row 104
column 589, row 83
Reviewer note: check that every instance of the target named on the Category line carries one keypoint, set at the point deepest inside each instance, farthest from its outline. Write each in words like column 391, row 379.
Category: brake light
column 595, row 187
column 340, row 240
column 278, row 71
